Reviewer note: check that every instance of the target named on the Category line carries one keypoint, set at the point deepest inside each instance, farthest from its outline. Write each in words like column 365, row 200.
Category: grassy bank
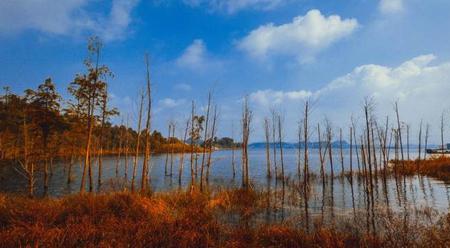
column 179, row 219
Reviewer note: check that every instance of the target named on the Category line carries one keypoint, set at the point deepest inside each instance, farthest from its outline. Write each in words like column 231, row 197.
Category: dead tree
column 351, row 153
column 138, row 139
column 172, row 141
column 420, row 140
column 193, row 173
column 305, row 136
column 119, row 151
column 233, row 162
column 205, row 136
column 211, row 141
column 147, row 154
column 181, row 165
column 367, row 113
column 166, row 163
column 274, row 142
column 341, row 152
column 321, row 156
column 407, row 142
column 280, row 136
column 399, row 132
column 246, row 119
column 127, row 147
column 427, row 132
column 442, row 131
column 329, row 132
column 299, row 149
column 267, row 135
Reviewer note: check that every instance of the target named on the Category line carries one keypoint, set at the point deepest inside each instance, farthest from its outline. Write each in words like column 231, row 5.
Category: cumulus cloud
column 196, row 57
column 68, row 17
column 301, row 38
column 420, row 88
column 233, row 6
column 391, row 6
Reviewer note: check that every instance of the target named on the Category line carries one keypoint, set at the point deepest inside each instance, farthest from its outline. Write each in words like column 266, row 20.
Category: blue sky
column 277, row 52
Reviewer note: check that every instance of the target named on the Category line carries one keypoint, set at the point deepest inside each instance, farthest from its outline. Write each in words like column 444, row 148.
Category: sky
column 277, row 52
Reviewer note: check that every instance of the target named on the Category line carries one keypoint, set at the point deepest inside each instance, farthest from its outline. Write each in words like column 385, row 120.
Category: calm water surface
column 337, row 195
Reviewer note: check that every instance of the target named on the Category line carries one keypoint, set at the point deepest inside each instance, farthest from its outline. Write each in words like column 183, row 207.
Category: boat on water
column 440, row 150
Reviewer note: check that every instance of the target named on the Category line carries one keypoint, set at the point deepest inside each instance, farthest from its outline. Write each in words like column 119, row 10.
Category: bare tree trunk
column 180, row 167
column 351, row 153
column 399, row 131
column 427, row 129
column 321, row 157
column 341, row 152
column 299, row 150
column 267, row 135
column 167, row 153
column 126, row 149
column 281, row 146
column 205, row 140
column 138, row 140
column 442, row 131
column 192, row 145
column 367, row 109
column 233, row 162
column 171, row 148
column 375, row 164
column 329, row 141
column 213, row 134
column 246, row 118
column 100, row 155
column 145, row 165
column 420, row 140
column 407, row 142
column 305, row 136
column 356, row 146
column 274, row 143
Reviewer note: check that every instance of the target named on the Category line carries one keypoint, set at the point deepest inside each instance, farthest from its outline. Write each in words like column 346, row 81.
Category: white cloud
column 182, row 87
column 391, row 6
column 194, row 56
column 68, row 17
column 420, row 88
column 301, row 38
column 233, row 6
column 268, row 98
column 167, row 103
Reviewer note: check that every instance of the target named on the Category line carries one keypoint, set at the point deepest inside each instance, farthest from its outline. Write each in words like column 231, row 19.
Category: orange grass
column 175, row 219
column 437, row 167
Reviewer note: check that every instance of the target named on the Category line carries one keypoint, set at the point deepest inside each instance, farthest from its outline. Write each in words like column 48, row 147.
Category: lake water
column 338, row 194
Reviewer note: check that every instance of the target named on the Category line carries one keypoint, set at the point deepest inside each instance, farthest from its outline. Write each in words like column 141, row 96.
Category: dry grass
column 178, row 219
column 437, row 167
